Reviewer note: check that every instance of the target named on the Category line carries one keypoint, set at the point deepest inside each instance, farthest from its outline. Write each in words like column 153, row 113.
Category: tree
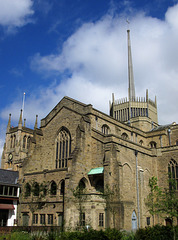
column 80, row 195
column 153, row 200
column 170, row 200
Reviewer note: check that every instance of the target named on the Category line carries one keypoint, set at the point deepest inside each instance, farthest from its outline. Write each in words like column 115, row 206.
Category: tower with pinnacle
column 139, row 112
column 18, row 145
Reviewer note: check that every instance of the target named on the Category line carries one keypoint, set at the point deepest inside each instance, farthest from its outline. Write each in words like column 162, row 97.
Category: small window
column 14, row 141
column 36, row 189
column 177, row 143
column 35, row 218
column 10, row 191
column 1, row 189
column 62, row 187
column 11, row 142
column 141, row 142
column 53, row 188
column 153, row 144
column 50, row 218
column 15, row 191
column 148, row 221
column 105, row 129
column 42, row 218
column 82, row 219
column 28, row 142
column 6, row 190
column 124, row 136
column 27, row 190
column 101, row 219
column 24, row 141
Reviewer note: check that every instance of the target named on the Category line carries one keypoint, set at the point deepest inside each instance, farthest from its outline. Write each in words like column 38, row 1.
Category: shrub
column 20, row 236
column 113, row 234
column 155, row 233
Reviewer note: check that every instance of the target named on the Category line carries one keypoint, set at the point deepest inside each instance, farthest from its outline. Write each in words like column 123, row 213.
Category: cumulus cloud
column 15, row 13
column 93, row 63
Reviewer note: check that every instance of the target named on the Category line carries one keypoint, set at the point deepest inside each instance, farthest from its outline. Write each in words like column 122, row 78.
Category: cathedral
column 82, row 167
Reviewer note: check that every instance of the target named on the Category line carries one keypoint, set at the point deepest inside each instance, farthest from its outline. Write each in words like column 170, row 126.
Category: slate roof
column 161, row 127
column 8, row 176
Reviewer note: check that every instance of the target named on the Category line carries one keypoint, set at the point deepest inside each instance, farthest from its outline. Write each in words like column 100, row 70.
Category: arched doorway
column 134, row 221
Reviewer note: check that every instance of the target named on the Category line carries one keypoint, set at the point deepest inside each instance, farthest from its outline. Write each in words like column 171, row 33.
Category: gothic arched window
column 62, row 187
column 24, row 141
column 63, row 148
column 173, row 174
column 36, row 189
column 125, row 136
column 27, row 190
column 28, row 142
column 105, row 129
column 14, row 141
column 153, row 144
column 11, row 141
column 53, row 189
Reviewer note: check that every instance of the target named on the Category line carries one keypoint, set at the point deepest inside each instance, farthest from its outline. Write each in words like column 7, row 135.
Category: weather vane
column 128, row 22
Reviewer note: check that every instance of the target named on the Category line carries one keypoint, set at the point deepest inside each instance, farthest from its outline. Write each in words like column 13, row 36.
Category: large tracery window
column 63, row 148
column 173, row 174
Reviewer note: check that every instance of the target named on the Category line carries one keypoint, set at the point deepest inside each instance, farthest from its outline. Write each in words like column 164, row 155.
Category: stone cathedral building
column 83, row 167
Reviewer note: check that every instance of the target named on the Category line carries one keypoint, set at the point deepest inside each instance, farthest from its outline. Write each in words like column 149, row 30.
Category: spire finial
column 9, row 123
column 36, row 122
column 20, row 119
column 131, row 89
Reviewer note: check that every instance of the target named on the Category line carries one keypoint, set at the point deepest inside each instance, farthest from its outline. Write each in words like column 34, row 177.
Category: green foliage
column 17, row 236
column 150, row 233
column 110, row 234
column 155, row 233
column 169, row 200
column 153, row 199
column 128, row 236
column 113, row 234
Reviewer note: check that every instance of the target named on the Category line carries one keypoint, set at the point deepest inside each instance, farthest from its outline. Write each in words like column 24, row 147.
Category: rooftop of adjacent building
column 8, row 176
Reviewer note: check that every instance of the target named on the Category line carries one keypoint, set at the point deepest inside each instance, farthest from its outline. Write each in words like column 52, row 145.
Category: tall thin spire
column 131, row 89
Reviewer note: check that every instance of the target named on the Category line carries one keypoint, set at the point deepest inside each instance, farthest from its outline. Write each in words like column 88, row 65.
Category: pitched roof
column 98, row 170
column 8, row 176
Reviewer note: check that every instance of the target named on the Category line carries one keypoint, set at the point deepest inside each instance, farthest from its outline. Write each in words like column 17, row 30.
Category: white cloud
column 97, row 52
column 15, row 13
column 96, row 58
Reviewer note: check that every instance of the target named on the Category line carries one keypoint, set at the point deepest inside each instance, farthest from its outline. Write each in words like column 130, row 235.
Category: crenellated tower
column 139, row 112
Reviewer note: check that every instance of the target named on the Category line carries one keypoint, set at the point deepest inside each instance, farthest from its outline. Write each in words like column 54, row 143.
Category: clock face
column 10, row 157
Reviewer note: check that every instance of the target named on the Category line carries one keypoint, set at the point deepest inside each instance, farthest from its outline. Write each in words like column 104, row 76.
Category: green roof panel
column 98, row 170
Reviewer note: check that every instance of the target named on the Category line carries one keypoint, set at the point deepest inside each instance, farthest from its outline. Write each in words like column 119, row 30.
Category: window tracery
column 63, row 148
column 173, row 174
column 105, row 129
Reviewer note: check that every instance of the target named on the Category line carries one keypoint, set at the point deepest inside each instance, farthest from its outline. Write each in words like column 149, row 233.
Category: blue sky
column 53, row 48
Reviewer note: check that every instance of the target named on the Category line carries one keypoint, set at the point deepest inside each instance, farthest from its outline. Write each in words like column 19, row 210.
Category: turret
column 36, row 122
column 9, row 124
column 20, row 120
